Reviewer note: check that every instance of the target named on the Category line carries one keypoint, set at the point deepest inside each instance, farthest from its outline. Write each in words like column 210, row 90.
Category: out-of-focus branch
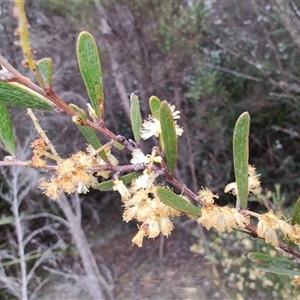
column 290, row 19
column 47, row 215
column 268, row 36
column 98, row 283
column 19, row 231
column 239, row 74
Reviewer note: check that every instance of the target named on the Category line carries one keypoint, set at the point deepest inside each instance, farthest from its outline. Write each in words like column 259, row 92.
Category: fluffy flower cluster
column 143, row 205
column 152, row 125
column 39, row 153
column 269, row 224
column 73, row 174
column 141, row 202
column 70, row 177
column 221, row 218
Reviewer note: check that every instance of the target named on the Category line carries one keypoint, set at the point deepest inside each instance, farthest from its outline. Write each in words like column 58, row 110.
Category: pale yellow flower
column 208, row 218
column 253, row 183
column 52, row 189
column 137, row 197
column 295, row 234
column 122, row 189
column 240, row 219
column 153, row 227
column 166, row 226
column 251, row 171
column 70, row 176
column 267, row 226
column 296, row 281
column 267, row 282
column 207, row 195
column 38, row 162
column 222, row 218
column 138, row 238
column 225, row 220
column 285, row 228
column 147, row 208
column 130, row 213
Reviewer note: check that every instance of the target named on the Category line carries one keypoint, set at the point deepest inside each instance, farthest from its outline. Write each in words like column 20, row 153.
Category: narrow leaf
column 91, row 71
column 154, row 104
column 241, row 157
column 15, row 94
column 283, row 266
column 108, row 185
column 136, row 118
column 177, row 202
column 168, row 135
column 92, row 138
column 296, row 213
column 45, row 68
column 6, row 130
